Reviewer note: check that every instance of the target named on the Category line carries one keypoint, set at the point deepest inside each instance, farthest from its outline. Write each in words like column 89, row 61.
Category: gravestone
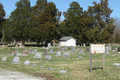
column 62, row 49
column 27, row 62
column 16, row 60
column 109, row 47
column 73, row 50
column 18, row 54
column 42, row 66
column 81, row 51
column 34, row 65
column 87, row 49
column 116, row 64
column 43, row 47
column 58, row 53
column 4, row 58
column 51, row 68
column 84, row 44
column 118, row 49
column 48, row 57
column 37, row 55
column 35, row 50
column 66, row 47
column 51, row 51
column 45, row 53
column 66, row 54
column 106, row 50
column 113, row 49
column 58, row 45
column 49, row 45
column 31, row 52
column 62, row 71
column 79, row 56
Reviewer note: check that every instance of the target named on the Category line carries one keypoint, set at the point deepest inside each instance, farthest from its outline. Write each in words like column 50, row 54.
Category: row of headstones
column 27, row 62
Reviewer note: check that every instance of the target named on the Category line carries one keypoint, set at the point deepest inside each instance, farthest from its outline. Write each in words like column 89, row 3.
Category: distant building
column 67, row 41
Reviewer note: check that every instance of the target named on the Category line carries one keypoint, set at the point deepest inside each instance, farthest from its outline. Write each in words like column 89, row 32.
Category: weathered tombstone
column 81, row 51
column 87, row 49
column 45, row 53
column 58, row 53
column 16, row 60
column 106, row 50
column 51, row 68
column 34, row 65
column 48, row 57
column 84, row 44
column 4, row 58
column 18, row 54
column 51, row 51
column 109, row 47
column 62, row 49
column 73, row 50
column 116, row 64
column 62, row 71
column 35, row 50
column 16, row 51
column 31, row 52
column 58, row 45
column 27, row 62
column 43, row 47
column 49, row 45
column 37, row 55
column 66, row 47
column 118, row 49
column 79, row 56
column 42, row 66
column 113, row 49
column 66, row 54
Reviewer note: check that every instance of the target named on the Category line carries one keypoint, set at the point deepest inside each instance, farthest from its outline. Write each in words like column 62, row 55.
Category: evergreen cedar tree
column 91, row 26
column 40, row 22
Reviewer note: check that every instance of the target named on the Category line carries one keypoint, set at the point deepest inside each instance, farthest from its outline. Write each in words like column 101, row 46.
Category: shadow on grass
column 97, row 68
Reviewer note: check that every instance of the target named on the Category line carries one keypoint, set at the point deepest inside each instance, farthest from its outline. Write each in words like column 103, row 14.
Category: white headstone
column 48, row 57
column 4, row 58
column 37, row 55
column 58, row 53
column 66, row 54
column 16, row 60
column 63, row 71
column 27, row 62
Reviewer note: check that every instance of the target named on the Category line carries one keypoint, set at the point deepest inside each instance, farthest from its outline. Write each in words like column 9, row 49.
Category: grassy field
column 77, row 68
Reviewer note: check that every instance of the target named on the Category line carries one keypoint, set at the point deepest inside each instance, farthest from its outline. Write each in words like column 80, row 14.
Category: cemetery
column 68, row 64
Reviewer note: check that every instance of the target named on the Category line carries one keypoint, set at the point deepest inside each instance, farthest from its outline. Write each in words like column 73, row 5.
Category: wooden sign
column 97, row 48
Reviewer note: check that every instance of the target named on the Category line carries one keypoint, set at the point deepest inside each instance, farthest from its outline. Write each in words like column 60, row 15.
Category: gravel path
column 14, row 75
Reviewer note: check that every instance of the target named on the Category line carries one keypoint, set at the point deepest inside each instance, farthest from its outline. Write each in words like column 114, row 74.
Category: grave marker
column 66, row 54
column 58, row 53
column 37, row 55
column 4, row 58
column 27, row 62
column 48, row 57
column 45, row 53
column 16, row 60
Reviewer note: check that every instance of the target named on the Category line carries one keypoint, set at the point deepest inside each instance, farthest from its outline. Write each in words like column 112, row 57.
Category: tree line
column 41, row 22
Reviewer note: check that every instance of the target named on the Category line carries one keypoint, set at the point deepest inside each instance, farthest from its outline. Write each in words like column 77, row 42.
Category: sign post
column 97, row 49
